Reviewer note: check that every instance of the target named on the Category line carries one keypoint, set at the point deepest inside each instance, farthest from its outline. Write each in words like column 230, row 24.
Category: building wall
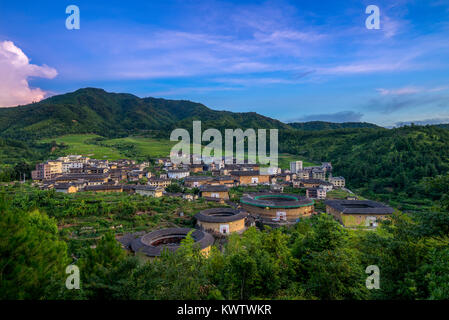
column 248, row 179
column 234, row 226
column 221, row 194
column 340, row 183
column 150, row 193
column 271, row 213
column 107, row 190
column 310, row 185
column 191, row 184
column 353, row 220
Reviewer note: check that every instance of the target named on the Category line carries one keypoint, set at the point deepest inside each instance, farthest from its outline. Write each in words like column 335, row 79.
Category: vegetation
column 41, row 232
column 315, row 259
column 323, row 125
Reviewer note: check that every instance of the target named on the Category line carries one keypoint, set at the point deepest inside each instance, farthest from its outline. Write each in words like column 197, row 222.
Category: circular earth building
column 154, row 243
column 221, row 220
column 277, row 208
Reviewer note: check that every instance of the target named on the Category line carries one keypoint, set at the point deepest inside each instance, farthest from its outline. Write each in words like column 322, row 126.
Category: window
column 254, row 180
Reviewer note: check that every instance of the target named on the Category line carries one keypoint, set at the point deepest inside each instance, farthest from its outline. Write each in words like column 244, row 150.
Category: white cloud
column 15, row 69
column 410, row 90
column 400, row 91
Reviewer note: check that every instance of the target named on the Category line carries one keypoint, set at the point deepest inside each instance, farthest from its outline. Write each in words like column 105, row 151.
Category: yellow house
column 214, row 191
column 358, row 213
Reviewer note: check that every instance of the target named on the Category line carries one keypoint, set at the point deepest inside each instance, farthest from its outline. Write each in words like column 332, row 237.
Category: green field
column 76, row 144
column 132, row 147
column 110, row 149
column 143, row 146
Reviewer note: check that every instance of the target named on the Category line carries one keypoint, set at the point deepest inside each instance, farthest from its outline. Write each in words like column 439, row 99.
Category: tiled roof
column 359, row 207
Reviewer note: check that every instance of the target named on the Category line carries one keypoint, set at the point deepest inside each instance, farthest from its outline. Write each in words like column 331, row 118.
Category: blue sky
column 291, row 60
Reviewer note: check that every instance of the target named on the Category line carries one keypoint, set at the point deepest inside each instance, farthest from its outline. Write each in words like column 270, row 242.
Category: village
column 269, row 206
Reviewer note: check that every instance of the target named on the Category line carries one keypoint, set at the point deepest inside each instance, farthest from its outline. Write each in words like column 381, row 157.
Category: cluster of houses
column 76, row 173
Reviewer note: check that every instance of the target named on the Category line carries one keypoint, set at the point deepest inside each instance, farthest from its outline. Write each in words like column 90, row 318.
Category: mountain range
column 92, row 110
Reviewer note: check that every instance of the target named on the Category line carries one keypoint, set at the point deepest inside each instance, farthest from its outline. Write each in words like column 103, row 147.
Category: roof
column 314, row 181
column 246, row 173
column 222, row 178
column 220, row 215
column 146, row 188
column 103, row 187
column 76, row 176
column 359, row 207
column 214, row 188
column 146, row 245
column 197, row 178
column 63, row 186
column 276, row 200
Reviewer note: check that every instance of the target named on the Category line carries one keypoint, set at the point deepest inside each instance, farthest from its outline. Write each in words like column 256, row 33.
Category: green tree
column 32, row 256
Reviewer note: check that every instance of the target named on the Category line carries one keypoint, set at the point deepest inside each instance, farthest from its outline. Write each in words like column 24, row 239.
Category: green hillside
column 383, row 163
column 96, row 111
column 323, row 125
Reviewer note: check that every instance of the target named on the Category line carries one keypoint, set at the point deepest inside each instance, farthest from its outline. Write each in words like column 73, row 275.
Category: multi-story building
column 338, row 182
column 303, row 174
column 47, row 170
column 66, row 166
column 159, row 182
column 326, row 186
column 318, row 174
column 178, row 174
column 295, row 166
column 316, row 193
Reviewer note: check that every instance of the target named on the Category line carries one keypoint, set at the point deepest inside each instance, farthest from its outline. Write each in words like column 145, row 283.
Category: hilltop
column 92, row 110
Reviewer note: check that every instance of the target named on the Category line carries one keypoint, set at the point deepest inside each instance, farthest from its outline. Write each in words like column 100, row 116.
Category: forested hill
column 323, row 125
column 93, row 110
column 384, row 161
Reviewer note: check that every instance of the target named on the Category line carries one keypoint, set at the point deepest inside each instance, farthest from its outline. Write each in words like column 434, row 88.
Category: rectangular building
column 295, row 166
column 358, row 213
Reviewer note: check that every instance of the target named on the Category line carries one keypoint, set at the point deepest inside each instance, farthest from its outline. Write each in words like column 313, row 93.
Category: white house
column 177, row 174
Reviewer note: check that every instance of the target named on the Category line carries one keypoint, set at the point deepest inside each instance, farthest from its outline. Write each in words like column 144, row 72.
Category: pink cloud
column 15, row 69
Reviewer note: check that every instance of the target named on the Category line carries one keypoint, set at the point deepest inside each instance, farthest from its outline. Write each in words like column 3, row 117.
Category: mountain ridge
column 94, row 110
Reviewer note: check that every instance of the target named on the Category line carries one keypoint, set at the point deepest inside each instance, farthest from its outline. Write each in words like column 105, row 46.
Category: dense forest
column 382, row 163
